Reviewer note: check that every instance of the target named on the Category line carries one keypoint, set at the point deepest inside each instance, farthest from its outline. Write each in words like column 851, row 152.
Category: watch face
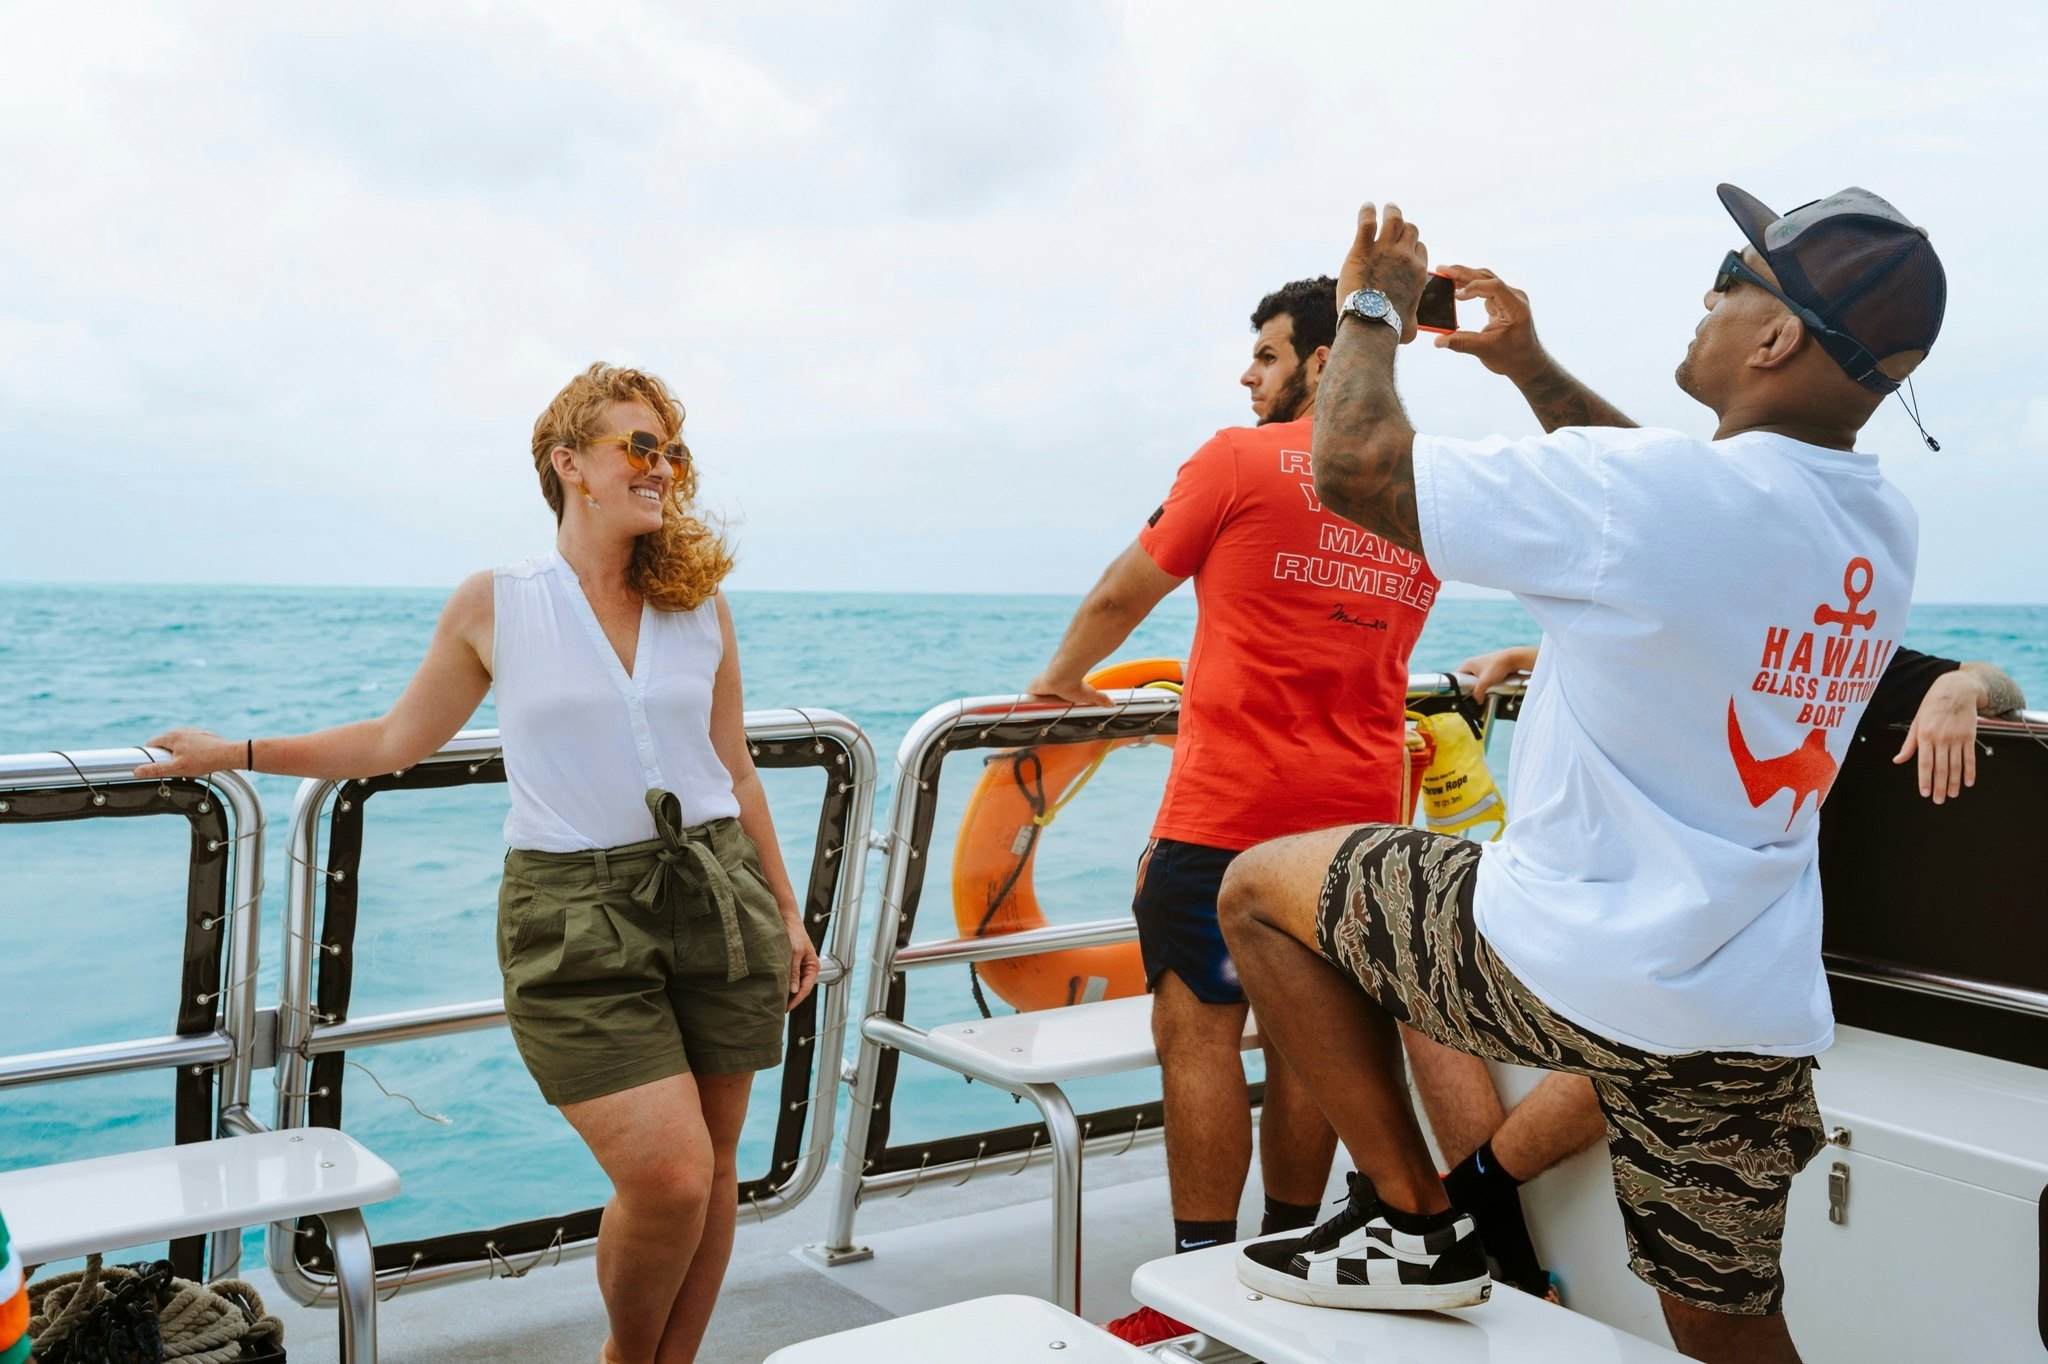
column 1370, row 303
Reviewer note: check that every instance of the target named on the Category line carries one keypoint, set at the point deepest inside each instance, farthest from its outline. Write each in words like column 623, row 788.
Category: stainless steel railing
column 110, row 767
column 248, row 1038
column 967, row 723
column 230, row 1047
column 302, row 1034
column 2012, row 998
column 913, row 798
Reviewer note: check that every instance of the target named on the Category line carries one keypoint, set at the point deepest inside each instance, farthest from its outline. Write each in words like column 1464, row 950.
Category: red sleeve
column 1179, row 534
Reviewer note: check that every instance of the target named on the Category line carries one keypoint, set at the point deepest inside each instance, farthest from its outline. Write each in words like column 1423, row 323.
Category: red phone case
column 1441, row 331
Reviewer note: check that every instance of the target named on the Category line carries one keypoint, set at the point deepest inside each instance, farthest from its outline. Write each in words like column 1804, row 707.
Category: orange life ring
column 1020, row 791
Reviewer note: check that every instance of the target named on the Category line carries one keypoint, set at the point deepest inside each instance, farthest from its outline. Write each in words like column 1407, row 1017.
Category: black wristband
column 249, row 745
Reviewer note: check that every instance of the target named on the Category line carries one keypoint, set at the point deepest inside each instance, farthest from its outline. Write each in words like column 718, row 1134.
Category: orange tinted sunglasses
column 643, row 448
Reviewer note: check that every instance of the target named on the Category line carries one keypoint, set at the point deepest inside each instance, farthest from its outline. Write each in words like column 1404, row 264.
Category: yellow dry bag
column 1458, row 793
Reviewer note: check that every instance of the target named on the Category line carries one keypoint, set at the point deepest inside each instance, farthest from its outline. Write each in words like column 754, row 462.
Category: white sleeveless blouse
column 584, row 742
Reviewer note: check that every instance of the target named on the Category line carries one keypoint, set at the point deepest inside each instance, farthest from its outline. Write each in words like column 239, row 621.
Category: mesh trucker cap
column 1853, row 259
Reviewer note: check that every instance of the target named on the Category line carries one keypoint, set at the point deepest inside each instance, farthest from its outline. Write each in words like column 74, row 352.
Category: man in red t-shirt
column 1291, row 720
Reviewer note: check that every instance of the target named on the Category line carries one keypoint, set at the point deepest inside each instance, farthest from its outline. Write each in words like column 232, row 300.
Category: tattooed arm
column 1558, row 399
column 1364, row 444
column 1507, row 345
column 2001, row 695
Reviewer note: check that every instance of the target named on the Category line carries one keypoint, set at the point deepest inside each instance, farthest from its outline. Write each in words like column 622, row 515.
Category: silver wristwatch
column 1370, row 305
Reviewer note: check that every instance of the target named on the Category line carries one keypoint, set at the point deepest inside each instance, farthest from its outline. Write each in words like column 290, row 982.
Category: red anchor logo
column 1808, row 770
column 1851, row 618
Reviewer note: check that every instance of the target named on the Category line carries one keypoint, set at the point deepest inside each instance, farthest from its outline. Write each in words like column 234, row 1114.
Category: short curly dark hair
column 1312, row 304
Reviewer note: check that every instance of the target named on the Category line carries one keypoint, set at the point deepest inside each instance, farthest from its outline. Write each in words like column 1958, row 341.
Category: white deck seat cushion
column 56, row 1212
column 1007, row 1329
column 1052, row 1046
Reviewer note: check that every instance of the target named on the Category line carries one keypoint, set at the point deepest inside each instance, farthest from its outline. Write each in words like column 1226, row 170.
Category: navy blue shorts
column 1177, row 926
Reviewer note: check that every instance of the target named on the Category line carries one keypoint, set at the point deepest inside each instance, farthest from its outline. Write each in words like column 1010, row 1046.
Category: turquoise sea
column 89, row 913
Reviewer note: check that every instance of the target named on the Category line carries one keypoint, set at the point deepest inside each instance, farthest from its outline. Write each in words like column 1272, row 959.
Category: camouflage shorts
column 1704, row 1144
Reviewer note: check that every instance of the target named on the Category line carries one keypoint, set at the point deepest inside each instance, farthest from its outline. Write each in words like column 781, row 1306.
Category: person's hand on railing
column 1075, row 691
column 1943, row 736
column 1490, row 670
column 194, row 753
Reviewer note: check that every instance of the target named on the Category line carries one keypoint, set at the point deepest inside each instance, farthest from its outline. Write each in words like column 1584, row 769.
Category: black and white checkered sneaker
column 1360, row 1259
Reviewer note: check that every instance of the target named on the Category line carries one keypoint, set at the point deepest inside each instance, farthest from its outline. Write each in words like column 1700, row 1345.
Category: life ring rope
column 1045, row 817
column 1000, row 835
column 1088, row 773
column 1039, row 820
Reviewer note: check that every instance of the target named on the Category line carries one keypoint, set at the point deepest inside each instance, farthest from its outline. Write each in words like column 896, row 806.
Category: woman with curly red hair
column 649, row 936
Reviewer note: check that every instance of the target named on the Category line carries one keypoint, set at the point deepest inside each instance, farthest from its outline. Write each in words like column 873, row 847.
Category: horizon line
column 1494, row 594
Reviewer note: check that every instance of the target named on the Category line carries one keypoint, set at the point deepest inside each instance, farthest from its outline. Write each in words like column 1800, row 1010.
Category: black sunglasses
column 1861, row 365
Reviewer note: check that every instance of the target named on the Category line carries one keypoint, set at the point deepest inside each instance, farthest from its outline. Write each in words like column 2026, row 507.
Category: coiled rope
column 127, row 1314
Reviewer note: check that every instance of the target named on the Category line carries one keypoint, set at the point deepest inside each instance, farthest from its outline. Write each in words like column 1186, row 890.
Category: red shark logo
column 1807, row 770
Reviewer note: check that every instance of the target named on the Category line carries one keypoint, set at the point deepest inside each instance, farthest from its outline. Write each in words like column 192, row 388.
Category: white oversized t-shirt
column 1715, row 615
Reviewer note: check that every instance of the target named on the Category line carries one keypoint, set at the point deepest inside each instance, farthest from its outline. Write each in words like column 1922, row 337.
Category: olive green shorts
column 635, row 963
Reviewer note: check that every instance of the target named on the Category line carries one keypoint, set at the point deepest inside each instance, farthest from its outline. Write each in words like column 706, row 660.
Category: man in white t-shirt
column 1715, row 615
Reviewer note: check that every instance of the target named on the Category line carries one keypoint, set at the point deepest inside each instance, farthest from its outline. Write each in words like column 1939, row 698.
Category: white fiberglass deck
column 948, row 1243
column 1003, row 1329
column 941, row 1246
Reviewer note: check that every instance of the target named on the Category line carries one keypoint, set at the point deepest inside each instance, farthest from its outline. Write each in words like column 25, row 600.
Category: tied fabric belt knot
column 689, row 858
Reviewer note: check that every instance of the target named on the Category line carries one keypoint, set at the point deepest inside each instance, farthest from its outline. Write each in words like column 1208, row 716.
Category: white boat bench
column 1201, row 1289
column 1031, row 1055
column 1007, row 1329
column 1054, row 1046
column 88, row 1207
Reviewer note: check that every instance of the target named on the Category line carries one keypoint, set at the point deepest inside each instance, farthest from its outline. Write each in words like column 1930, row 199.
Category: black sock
column 1505, row 1234
column 1188, row 1235
column 1287, row 1216
column 1416, row 1223
column 1479, row 1182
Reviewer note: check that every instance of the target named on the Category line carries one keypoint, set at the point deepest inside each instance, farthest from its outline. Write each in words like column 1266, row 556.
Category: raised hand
column 1507, row 344
column 194, row 753
column 1387, row 254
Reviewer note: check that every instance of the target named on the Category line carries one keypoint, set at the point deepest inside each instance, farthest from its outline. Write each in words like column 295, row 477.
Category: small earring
column 584, row 488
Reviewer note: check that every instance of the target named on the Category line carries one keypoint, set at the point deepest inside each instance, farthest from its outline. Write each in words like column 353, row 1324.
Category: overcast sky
column 949, row 289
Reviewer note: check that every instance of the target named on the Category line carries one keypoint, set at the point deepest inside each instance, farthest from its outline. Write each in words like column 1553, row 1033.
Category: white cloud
column 949, row 291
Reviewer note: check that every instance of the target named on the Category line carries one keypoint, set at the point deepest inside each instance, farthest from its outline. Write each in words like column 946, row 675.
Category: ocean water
column 89, row 912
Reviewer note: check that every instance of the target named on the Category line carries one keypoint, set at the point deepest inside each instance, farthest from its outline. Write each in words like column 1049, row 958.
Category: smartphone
column 1438, row 310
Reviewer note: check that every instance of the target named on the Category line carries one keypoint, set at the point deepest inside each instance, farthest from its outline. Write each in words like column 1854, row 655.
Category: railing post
column 227, row 994
column 839, row 1247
